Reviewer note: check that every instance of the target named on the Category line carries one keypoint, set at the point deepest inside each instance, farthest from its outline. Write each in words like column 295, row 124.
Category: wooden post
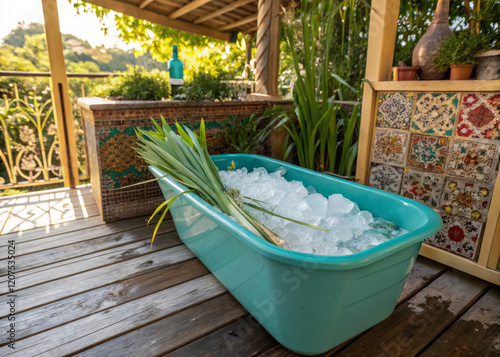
column 268, row 46
column 248, row 54
column 380, row 56
column 60, row 95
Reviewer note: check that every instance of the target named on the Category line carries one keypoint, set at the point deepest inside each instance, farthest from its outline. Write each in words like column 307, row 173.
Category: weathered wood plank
column 99, row 327
column 244, row 337
column 72, row 252
column 72, row 213
column 279, row 351
column 88, row 262
column 79, row 283
column 477, row 333
column 59, row 228
column 26, row 217
column 61, row 312
column 174, row 331
column 418, row 321
column 83, row 235
column 47, row 195
column 424, row 271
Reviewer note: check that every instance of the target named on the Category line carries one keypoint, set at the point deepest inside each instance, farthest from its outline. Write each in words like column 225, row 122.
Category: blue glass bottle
column 176, row 70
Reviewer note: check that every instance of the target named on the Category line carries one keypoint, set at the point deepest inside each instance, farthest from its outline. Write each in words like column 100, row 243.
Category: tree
column 199, row 53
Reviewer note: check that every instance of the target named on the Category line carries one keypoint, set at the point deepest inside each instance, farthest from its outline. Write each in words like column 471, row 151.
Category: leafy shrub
column 246, row 135
column 206, row 87
column 460, row 48
column 137, row 83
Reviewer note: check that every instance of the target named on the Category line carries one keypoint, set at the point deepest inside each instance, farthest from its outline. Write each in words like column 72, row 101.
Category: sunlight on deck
column 38, row 209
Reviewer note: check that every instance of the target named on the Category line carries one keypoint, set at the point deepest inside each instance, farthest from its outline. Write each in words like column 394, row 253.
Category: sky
column 85, row 26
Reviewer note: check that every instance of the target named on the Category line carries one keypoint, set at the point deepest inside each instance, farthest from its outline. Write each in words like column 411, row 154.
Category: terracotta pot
column 428, row 46
column 404, row 73
column 461, row 71
column 489, row 65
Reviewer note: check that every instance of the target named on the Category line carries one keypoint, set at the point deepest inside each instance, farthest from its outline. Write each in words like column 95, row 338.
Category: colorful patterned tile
column 390, row 147
column 428, row 152
column 435, row 113
column 473, row 160
column 466, row 199
column 423, row 187
column 480, row 116
column 429, row 240
column 459, row 236
column 394, row 110
column 385, row 177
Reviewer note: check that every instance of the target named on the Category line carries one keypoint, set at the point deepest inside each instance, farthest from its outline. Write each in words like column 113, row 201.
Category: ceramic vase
column 489, row 65
column 428, row 46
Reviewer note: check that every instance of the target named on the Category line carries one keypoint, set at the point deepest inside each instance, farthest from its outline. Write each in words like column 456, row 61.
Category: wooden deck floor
column 87, row 288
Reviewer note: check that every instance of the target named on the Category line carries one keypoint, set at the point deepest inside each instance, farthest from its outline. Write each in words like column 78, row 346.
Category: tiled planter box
column 110, row 141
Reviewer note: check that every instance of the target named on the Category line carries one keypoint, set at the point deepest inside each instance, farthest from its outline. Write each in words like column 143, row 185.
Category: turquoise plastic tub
column 308, row 303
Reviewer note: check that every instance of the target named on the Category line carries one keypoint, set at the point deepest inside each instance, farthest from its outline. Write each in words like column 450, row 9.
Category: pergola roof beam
column 222, row 10
column 243, row 21
column 145, row 3
column 250, row 30
column 133, row 10
column 187, row 8
column 168, row 2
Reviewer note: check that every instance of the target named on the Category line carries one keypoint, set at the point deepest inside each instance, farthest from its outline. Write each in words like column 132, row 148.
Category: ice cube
column 281, row 170
column 311, row 190
column 339, row 205
column 317, row 204
column 350, row 229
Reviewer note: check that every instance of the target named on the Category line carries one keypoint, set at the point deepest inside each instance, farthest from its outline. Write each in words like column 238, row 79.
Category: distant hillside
column 25, row 43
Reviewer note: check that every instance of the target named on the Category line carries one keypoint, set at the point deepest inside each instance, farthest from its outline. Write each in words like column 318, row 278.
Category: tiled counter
column 442, row 148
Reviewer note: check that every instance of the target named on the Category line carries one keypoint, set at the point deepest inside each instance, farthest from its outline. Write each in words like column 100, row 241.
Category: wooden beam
column 492, row 85
column 222, row 10
column 461, row 263
column 251, row 30
column 145, row 3
column 60, row 95
column 160, row 19
column 380, row 55
column 268, row 50
column 190, row 6
column 169, row 3
column 243, row 21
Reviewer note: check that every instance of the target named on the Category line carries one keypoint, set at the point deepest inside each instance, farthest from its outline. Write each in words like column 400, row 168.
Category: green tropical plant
column 206, row 86
column 137, row 83
column 245, row 135
column 460, row 48
column 317, row 133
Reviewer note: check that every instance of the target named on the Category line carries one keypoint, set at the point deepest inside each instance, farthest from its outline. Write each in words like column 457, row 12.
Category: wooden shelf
column 460, row 263
column 442, row 86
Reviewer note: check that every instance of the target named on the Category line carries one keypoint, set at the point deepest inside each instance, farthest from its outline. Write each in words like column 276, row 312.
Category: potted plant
column 457, row 52
column 404, row 73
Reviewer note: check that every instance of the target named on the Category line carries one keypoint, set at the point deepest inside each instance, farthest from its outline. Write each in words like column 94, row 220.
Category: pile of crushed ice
column 350, row 229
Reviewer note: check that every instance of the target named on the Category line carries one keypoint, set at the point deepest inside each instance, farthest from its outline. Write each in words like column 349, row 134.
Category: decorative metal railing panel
column 29, row 151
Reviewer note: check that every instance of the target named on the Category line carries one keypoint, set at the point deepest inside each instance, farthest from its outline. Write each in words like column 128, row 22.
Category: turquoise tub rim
column 353, row 261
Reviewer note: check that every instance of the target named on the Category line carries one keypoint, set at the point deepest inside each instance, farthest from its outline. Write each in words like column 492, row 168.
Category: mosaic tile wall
column 112, row 137
column 443, row 150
